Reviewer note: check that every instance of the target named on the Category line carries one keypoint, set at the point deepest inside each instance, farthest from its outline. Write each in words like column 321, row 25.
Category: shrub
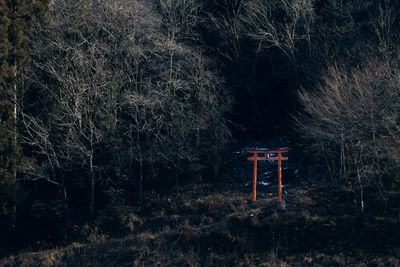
column 353, row 123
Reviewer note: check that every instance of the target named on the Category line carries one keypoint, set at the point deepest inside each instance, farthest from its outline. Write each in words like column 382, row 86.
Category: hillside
column 214, row 224
column 125, row 125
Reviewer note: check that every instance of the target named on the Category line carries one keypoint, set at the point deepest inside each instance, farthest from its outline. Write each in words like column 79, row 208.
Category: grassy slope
column 211, row 225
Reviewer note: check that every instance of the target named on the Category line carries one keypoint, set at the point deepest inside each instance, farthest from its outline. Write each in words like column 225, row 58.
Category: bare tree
column 352, row 120
column 86, row 86
column 123, row 87
column 280, row 23
column 180, row 17
column 384, row 31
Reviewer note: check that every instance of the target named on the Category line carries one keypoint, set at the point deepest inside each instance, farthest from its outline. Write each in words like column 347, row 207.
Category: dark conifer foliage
column 16, row 18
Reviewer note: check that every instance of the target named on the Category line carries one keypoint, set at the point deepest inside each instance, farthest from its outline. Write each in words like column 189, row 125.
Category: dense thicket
column 119, row 97
column 121, row 105
column 112, row 103
column 351, row 116
column 352, row 120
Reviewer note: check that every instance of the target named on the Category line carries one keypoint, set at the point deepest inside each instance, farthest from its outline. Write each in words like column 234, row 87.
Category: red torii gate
column 266, row 156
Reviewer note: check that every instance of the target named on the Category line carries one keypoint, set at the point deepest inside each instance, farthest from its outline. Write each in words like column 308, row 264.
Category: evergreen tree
column 16, row 16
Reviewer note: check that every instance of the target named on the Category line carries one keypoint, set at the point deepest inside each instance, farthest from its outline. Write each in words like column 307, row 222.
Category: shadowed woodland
column 124, row 125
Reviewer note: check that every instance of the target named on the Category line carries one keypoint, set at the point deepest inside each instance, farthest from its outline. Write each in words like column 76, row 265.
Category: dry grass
column 220, row 229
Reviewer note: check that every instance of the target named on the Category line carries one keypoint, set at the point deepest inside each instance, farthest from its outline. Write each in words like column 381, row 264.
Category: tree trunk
column 91, row 153
column 15, row 146
column 91, row 203
column 140, row 165
column 140, row 176
column 177, row 166
column 361, row 192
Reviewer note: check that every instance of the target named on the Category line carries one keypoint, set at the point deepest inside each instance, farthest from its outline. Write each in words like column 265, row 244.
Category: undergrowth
column 201, row 225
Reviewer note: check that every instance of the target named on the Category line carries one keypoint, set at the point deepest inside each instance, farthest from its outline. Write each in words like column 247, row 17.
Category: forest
column 124, row 126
